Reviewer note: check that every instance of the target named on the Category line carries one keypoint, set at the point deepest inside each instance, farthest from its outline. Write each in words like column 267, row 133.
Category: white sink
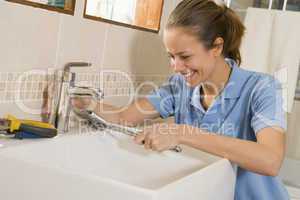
column 98, row 166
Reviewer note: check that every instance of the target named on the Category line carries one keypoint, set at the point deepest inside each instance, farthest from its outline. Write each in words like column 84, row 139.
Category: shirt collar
column 195, row 99
column 237, row 80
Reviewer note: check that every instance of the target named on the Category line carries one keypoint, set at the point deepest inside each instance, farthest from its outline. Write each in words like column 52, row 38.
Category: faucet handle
column 97, row 93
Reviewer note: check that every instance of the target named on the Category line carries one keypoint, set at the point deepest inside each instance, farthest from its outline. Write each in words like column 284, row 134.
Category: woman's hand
column 160, row 137
column 83, row 103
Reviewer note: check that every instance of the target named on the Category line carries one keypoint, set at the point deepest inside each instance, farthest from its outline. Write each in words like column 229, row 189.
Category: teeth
column 189, row 74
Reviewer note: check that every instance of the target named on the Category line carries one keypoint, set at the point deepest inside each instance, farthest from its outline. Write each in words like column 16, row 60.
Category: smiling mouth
column 188, row 74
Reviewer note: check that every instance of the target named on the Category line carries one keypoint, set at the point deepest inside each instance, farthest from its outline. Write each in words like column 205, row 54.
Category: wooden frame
column 120, row 23
column 46, row 7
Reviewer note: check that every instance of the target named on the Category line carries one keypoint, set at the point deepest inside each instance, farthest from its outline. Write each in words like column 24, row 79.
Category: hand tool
column 99, row 122
column 22, row 128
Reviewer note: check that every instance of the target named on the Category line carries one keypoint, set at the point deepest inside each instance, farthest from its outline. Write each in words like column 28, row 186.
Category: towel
column 272, row 45
column 285, row 53
column 256, row 42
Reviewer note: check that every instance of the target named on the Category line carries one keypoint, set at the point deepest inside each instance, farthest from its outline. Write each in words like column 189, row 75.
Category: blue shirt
column 249, row 102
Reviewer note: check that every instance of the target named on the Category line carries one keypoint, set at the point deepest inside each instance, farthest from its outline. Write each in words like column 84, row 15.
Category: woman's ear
column 218, row 46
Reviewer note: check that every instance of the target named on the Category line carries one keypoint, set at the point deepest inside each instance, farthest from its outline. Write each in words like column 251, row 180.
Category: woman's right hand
column 83, row 103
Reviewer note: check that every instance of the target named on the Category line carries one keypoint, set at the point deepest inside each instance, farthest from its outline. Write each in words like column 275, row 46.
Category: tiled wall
column 31, row 86
column 20, row 87
column 23, row 89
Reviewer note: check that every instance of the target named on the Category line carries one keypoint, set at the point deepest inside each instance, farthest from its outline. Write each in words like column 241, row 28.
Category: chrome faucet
column 60, row 113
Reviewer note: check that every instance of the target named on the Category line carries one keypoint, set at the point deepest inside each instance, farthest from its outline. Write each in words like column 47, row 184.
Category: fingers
column 81, row 102
column 155, row 145
column 152, row 139
column 140, row 138
column 149, row 140
column 144, row 139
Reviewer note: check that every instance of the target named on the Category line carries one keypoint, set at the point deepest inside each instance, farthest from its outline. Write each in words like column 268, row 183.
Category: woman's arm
column 264, row 156
column 132, row 115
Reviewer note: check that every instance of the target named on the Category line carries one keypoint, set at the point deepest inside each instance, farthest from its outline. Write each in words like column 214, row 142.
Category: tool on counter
column 26, row 128
column 98, row 122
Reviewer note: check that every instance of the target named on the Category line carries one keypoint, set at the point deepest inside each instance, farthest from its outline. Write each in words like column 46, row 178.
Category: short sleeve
column 163, row 99
column 267, row 105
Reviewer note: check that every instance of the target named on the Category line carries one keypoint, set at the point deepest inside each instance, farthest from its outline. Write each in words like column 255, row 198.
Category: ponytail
column 233, row 36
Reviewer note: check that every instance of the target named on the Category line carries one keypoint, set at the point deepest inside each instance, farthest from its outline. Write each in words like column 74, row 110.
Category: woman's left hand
column 160, row 137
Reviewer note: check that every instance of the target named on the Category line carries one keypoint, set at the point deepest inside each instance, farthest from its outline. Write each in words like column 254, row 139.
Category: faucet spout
column 60, row 116
column 70, row 76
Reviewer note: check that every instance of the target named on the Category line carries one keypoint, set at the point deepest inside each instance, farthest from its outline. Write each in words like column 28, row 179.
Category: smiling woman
column 62, row 6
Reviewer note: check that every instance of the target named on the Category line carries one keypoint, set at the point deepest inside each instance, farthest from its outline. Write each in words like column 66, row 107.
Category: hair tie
column 221, row 14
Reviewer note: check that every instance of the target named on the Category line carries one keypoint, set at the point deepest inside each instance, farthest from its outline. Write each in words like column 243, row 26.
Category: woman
column 218, row 107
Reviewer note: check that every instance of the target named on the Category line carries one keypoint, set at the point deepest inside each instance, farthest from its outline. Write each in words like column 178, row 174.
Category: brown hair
column 208, row 21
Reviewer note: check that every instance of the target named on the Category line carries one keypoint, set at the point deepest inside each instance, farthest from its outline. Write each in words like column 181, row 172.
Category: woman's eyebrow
column 178, row 53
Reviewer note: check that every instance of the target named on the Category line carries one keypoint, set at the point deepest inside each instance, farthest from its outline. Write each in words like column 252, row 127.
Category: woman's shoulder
column 264, row 88
column 258, row 86
column 260, row 79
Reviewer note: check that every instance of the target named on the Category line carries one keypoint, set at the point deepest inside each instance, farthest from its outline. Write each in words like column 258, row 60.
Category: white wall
column 28, row 37
column 293, row 135
column 33, row 38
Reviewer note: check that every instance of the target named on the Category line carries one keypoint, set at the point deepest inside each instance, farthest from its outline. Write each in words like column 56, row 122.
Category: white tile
column 81, row 40
column 28, row 37
column 121, row 48
column 151, row 58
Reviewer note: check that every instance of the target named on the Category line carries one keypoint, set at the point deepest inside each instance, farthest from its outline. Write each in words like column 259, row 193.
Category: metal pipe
column 270, row 4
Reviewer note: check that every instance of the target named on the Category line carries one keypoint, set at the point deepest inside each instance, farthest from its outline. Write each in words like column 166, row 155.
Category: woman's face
column 188, row 56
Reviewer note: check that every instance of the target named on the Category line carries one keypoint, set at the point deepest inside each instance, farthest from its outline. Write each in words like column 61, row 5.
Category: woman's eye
column 171, row 58
column 184, row 57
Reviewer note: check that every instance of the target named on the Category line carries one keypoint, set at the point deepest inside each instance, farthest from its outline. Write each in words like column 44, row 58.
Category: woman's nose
column 177, row 65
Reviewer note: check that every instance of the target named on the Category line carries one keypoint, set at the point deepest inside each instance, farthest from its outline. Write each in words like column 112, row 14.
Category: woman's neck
column 218, row 80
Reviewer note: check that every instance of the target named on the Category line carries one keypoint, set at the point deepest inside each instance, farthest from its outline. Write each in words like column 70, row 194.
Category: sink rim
column 89, row 175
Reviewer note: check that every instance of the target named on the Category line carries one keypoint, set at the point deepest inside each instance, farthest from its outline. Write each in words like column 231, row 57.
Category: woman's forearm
column 246, row 154
column 131, row 115
column 108, row 112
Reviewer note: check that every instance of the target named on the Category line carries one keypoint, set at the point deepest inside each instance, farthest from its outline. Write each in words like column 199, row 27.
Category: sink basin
column 109, row 166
